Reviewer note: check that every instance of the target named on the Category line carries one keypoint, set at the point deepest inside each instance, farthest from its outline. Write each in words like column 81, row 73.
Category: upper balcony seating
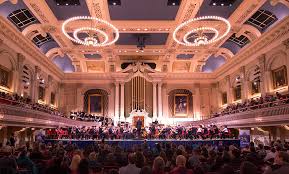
column 253, row 104
column 20, row 101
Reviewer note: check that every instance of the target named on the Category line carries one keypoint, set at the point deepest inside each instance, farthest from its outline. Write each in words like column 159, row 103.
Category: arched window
column 262, row 19
column 240, row 41
column 40, row 40
column 256, row 81
column 21, row 18
column 26, row 81
column 238, row 89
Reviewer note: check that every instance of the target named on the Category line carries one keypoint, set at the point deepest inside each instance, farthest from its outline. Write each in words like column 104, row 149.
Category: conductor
column 138, row 126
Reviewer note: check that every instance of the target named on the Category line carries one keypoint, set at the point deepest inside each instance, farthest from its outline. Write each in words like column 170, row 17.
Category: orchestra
column 154, row 131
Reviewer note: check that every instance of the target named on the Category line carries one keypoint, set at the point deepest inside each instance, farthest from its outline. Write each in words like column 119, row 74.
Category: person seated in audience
column 248, row 168
column 282, row 159
column 23, row 161
column 8, row 161
column 131, row 167
column 159, row 166
column 181, row 166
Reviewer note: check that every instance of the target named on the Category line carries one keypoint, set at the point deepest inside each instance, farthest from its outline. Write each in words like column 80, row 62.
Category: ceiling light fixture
column 92, row 31
column 199, row 33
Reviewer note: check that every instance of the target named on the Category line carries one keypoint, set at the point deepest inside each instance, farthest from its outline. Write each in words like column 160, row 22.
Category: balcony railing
column 10, row 114
column 271, row 113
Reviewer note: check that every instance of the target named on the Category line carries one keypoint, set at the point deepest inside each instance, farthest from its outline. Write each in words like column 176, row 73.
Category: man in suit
column 138, row 126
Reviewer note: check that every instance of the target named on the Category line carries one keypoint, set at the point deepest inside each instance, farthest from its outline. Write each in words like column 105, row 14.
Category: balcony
column 268, row 116
column 18, row 116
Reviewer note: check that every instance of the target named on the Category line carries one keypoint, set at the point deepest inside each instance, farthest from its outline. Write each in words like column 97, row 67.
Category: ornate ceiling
column 41, row 21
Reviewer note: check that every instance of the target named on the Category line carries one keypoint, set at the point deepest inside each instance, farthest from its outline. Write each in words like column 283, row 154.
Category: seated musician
column 225, row 132
column 200, row 131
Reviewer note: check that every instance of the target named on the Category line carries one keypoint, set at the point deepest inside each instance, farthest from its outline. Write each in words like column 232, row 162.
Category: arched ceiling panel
column 64, row 63
column 213, row 63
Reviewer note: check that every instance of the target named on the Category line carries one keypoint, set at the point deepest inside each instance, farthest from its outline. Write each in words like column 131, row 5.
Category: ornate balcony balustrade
column 21, row 116
column 277, row 114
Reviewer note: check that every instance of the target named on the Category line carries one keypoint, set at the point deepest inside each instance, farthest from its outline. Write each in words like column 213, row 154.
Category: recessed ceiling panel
column 92, row 56
column 185, row 56
column 67, row 11
column 210, row 8
column 135, row 57
column 151, row 39
column 143, row 10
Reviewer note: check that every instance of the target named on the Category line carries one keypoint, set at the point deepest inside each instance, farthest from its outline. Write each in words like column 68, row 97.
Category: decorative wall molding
column 262, row 45
column 10, row 33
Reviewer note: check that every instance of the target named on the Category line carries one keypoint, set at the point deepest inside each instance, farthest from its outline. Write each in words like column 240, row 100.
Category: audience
column 164, row 158
column 131, row 167
column 254, row 103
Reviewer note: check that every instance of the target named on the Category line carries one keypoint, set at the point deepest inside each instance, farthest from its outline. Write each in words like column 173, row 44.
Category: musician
column 152, row 131
column 200, row 131
column 138, row 126
column 225, row 132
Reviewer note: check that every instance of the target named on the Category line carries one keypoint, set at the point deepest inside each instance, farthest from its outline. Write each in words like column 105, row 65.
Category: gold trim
column 285, row 76
column 187, row 99
column 98, row 113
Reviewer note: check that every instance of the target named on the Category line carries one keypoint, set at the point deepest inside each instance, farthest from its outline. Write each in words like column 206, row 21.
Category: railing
column 10, row 113
column 271, row 113
column 278, row 102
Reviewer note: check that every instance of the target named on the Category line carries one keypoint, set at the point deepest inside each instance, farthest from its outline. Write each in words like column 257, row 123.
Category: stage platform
column 129, row 143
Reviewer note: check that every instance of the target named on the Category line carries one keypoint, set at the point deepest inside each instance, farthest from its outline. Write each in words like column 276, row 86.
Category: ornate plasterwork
column 279, row 33
column 39, row 12
column 11, row 34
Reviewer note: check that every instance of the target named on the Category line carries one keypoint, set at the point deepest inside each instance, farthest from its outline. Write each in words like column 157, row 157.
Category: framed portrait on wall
column 181, row 105
column 279, row 77
column 95, row 104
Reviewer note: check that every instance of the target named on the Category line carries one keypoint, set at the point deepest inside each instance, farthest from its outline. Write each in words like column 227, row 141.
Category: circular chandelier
column 92, row 39
column 198, row 34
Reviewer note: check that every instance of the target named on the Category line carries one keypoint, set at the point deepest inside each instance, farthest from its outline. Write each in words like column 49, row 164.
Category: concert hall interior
column 186, row 75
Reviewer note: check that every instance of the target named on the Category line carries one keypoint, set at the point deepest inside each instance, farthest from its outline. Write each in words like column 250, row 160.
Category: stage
column 129, row 143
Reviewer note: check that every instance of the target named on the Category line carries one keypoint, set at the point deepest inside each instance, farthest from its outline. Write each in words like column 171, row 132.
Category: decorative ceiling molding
column 267, row 41
column 13, row 35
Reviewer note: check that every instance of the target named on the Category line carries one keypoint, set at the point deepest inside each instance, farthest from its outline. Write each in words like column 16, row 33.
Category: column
column 154, row 101
column 262, row 74
column 79, row 97
column 286, row 45
column 197, row 103
column 15, row 81
column 160, row 100
column 229, row 90
column 122, row 101
column 116, row 105
column 244, row 84
column 48, row 89
column 20, row 61
column 219, row 96
column 36, row 83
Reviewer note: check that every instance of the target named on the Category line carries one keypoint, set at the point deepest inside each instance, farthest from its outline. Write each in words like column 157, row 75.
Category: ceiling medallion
column 199, row 36
column 93, row 33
